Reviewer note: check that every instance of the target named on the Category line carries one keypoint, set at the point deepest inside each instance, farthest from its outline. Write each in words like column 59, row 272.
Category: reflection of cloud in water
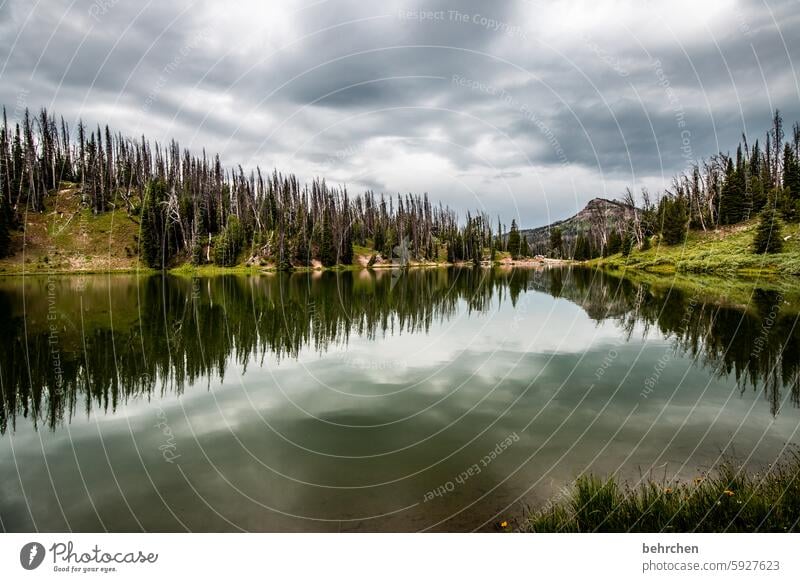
column 295, row 429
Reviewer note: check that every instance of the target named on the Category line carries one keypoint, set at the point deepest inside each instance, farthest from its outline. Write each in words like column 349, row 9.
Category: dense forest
column 193, row 209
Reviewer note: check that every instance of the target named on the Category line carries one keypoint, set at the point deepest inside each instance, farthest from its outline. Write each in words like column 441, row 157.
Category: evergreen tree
column 5, row 190
column 582, row 252
column 614, row 242
column 514, row 241
column 768, row 237
column 734, row 205
column 154, row 240
column 673, row 219
column 758, row 193
column 197, row 252
column 199, row 236
column 327, row 254
column 524, row 250
column 283, row 262
column 17, row 163
column 228, row 244
column 790, row 194
column 741, row 187
column 301, row 249
column 626, row 246
column 5, row 228
column 378, row 240
column 556, row 242
column 346, row 256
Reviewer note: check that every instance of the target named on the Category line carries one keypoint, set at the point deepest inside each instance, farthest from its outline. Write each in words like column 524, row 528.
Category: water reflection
column 89, row 345
column 344, row 401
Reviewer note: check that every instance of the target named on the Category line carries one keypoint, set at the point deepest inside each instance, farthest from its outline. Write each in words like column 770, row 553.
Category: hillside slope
column 610, row 213
column 69, row 237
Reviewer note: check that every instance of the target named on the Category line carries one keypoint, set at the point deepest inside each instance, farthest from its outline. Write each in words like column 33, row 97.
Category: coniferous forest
column 194, row 209
column 727, row 189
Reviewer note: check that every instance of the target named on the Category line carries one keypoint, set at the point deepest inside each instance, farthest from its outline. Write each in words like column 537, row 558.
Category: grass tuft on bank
column 729, row 500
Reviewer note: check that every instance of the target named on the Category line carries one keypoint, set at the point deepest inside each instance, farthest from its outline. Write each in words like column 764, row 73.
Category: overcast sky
column 523, row 108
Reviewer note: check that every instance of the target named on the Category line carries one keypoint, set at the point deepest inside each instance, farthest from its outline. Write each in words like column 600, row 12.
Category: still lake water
column 361, row 401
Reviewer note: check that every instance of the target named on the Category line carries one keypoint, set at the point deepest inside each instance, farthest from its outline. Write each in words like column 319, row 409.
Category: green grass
column 212, row 269
column 729, row 500
column 69, row 238
column 727, row 251
column 367, row 251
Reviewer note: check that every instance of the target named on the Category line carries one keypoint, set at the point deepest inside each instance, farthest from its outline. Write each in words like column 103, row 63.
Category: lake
column 387, row 400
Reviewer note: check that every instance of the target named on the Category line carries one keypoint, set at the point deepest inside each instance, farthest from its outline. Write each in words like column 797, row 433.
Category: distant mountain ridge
column 598, row 214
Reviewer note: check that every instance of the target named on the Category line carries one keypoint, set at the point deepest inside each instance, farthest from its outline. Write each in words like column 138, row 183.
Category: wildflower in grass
column 668, row 490
column 728, row 492
column 503, row 524
column 698, row 480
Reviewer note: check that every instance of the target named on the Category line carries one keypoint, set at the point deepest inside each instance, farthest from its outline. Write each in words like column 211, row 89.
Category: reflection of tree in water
column 758, row 346
column 172, row 331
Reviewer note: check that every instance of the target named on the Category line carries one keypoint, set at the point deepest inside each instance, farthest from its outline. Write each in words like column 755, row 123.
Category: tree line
column 191, row 208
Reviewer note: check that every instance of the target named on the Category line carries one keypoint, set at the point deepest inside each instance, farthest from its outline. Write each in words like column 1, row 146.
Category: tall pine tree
column 154, row 240
column 514, row 241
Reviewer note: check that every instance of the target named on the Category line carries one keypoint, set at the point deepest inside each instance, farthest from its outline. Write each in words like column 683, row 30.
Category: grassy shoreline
column 727, row 251
column 14, row 267
column 730, row 499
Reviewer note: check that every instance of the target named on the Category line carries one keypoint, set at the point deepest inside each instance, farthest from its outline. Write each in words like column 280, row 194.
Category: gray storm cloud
column 526, row 109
